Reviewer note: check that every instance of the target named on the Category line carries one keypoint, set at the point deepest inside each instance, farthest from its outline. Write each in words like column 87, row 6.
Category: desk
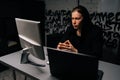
column 111, row 71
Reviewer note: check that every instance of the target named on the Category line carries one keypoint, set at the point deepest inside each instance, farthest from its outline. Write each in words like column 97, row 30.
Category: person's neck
column 78, row 32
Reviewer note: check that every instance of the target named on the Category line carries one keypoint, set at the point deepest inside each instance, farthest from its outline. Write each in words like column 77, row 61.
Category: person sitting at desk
column 82, row 36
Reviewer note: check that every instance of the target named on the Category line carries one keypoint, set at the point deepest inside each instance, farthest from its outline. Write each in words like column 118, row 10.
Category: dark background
column 9, row 10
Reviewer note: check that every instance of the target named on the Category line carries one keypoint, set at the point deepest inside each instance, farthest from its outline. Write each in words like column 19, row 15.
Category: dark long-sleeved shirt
column 92, row 44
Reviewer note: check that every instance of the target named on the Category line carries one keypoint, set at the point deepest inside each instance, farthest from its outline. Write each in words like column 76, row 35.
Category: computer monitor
column 29, row 33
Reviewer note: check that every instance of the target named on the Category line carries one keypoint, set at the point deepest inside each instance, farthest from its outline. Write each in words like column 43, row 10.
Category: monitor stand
column 27, row 58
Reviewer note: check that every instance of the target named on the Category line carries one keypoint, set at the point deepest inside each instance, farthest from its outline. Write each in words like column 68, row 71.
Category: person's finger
column 67, row 42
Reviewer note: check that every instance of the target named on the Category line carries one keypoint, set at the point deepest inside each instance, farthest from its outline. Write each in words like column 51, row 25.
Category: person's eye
column 72, row 18
column 78, row 18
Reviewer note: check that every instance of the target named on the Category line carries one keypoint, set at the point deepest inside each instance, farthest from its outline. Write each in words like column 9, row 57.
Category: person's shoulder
column 70, row 29
column 96, row 31
column 97, row 28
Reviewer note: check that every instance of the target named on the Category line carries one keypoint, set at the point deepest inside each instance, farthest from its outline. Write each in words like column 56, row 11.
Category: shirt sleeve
column 67, row 34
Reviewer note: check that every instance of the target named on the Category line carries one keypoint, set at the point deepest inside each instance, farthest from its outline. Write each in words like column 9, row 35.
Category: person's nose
column 74, row 21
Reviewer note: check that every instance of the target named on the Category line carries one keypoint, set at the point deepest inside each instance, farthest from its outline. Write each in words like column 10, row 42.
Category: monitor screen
column 29, row 33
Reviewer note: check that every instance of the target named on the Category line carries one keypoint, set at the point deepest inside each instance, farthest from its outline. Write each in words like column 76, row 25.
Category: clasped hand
column 66, row 46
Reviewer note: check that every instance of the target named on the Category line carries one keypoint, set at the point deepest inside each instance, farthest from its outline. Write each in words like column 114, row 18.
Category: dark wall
column 34, row 10
column 9, row 10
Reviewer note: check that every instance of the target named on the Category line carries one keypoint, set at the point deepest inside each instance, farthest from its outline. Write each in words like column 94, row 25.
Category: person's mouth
column 75, row 27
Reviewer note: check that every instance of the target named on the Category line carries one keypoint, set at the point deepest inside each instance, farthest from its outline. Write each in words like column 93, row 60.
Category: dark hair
column 86, row 23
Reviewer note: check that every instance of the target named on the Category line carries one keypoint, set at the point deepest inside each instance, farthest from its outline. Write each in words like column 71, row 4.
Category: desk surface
column 111, row 71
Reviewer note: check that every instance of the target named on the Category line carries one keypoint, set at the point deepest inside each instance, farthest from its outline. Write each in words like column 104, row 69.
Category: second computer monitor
column 29, row 33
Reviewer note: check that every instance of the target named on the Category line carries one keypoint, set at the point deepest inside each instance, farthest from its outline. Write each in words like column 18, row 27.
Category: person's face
column 76, row 19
